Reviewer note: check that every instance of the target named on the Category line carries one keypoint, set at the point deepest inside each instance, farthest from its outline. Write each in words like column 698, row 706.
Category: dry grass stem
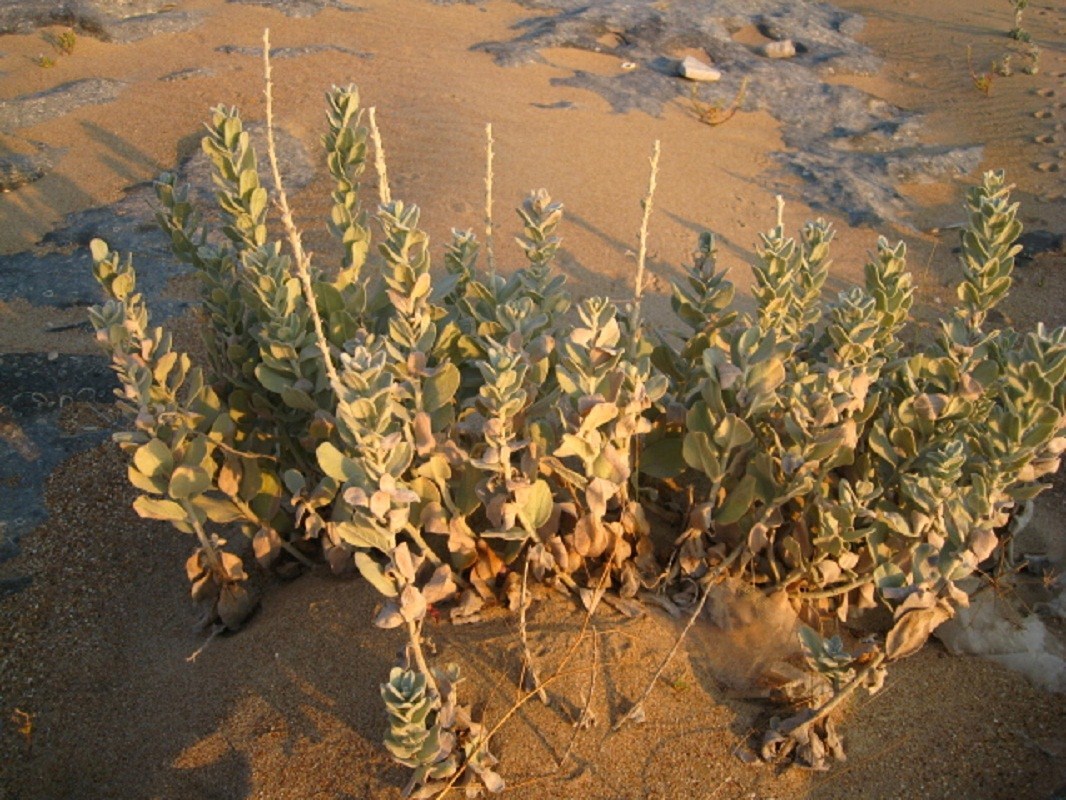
column 525, row 698
column 489, row 255
column 527, row 656
column 642, row 251
column 384, row 193
column 585, row 720
column 301, row 260
column 215, row 631
column 719, row 570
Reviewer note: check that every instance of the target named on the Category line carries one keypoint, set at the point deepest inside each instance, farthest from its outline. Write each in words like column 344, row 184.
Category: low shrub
column 446, row 434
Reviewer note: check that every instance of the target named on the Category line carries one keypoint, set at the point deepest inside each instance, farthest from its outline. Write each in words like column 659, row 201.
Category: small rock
column 782, row 49
column 34, row 109
column 696, row 70
column 22, row 162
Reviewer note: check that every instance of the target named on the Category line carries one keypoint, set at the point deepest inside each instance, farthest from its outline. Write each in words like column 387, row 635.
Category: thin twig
column 215, row 631
column 292, row 551
column 527, row 656
column 379, row 159
column 839, row 697
column 518, row 704
column 582, row 721
column 300, row 257
column 721, row 568
column 638, row 291
column 489, row 256
column 832, row 591
column 213, row 560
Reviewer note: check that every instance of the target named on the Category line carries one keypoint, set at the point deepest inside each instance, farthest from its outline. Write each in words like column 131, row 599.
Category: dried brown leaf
column 913, row 628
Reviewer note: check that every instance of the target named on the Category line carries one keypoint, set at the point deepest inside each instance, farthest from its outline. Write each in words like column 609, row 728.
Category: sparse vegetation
column 447, row 435
column 982, row 81
column 714, row 114
column 1028, row 55
column 1031, row 54
column 1017, row 32
column 63, row 42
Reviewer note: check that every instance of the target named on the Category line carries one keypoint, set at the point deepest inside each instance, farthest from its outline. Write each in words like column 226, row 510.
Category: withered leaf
column 266, row 544
column 235, row 604
column 913, row 628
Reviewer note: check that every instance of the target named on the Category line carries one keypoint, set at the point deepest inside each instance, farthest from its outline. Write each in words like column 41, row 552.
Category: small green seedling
column 63, row 43
column 1017, row 32
column 982, row 81
column 1032, row 56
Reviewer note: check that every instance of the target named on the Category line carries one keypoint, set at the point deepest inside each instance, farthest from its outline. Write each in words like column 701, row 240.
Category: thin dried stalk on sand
column 302, row 265
column 525, row 698
column 713, row 114
column 527, row 656
column 638, row 706
column 584, row 720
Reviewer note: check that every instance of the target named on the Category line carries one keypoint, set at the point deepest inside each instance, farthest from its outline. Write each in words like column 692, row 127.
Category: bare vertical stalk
column 642, row 249
column 379, row 159
column 414, row 636
column 490, row 257
column 646, row 203
column 300, row 258
column 213, row 560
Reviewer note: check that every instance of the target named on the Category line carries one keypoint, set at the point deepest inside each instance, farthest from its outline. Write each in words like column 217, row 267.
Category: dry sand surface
column 94, row 649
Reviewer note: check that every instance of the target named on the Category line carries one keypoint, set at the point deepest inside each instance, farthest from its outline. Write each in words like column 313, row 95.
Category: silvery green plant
column 180, row 428
column 432, row 433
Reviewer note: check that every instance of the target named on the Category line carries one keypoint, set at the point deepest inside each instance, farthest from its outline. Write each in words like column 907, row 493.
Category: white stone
column 696, row 70
column 783, row 49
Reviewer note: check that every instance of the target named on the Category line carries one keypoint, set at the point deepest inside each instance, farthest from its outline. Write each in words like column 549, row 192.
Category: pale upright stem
column 213, row 560
column 414, row 637
column 490, row 257
column 300, row 258
column 642, row 251
column 379, row 159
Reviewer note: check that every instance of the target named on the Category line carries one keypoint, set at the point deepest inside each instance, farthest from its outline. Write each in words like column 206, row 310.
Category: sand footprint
column 1044, row 92
column 1045, row 138
column 1049, row 166
column 1044, row 113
